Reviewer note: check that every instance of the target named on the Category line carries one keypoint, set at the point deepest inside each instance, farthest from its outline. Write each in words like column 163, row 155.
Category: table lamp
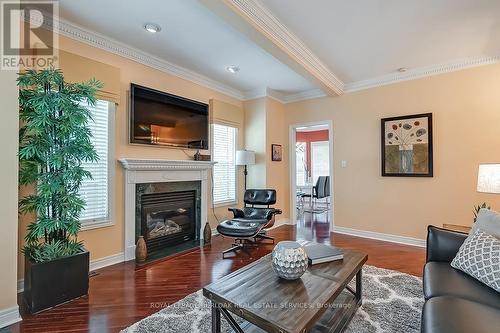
column 488, row 181
column 245, row 157
column 488, row 178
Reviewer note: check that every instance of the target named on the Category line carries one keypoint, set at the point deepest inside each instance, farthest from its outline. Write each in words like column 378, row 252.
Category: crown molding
column 261, row 17
column 95, row 39
column 421, row 72
column 265, row 92
column 305, row 95
column 254, row 94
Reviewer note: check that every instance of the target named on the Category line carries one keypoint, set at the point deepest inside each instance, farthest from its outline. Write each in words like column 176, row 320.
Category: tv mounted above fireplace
column 161, row 119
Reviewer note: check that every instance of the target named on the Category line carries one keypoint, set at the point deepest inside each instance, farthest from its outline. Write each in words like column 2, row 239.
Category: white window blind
column 224, row 151
column 320, row 159
column 301, row 163
column 95, row 191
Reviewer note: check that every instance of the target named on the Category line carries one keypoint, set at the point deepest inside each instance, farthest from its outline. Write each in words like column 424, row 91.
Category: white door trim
column 292, row 168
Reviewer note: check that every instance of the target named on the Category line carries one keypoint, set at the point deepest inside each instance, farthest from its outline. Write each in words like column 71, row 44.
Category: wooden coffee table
column 320, row 301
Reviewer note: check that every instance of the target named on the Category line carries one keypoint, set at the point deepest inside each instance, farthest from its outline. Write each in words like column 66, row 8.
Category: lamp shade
column 245, row 157
column 488, row 178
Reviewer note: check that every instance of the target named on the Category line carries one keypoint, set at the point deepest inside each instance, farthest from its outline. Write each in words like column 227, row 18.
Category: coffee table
column 320, row 301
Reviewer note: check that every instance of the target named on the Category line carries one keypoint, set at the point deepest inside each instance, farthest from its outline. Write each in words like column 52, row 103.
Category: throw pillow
column 488, row 221
column 479, row 256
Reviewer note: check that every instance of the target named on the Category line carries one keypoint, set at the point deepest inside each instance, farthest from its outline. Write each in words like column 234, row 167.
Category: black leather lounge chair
column 249, row 223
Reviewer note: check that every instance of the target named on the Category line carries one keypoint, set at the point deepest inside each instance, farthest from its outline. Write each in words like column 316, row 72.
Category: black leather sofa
column 454, row 301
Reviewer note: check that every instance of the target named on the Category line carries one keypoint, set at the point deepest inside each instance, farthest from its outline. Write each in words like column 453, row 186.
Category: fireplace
column 144, row 176
column 168, row 219
column 168, row 216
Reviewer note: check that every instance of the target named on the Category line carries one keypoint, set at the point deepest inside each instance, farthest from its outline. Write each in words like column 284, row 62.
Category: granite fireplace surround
column 146, row 176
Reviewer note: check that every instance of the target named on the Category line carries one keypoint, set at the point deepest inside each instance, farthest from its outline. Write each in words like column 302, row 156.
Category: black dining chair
column 320, row 191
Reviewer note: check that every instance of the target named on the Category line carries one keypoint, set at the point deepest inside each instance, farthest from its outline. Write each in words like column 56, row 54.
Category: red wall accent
column 309, row 137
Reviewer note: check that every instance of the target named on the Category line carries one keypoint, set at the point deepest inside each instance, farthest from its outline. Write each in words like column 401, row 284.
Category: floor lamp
column 245, row 157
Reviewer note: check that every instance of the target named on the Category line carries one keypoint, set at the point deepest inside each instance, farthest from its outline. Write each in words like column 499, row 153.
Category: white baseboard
column 381, row 236
column 107, row 261
column 9, row 316
column 94, row 264
column 280, row 222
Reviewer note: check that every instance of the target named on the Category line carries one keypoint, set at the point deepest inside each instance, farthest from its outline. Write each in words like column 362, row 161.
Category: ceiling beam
column 257, row 23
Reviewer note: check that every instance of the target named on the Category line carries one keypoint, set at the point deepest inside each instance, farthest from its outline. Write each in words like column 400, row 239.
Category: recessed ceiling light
column 151, row 27
column 402, row 69
column 232, row 69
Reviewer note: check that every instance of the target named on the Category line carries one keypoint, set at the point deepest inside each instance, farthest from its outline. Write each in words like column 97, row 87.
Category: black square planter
column 54, row 282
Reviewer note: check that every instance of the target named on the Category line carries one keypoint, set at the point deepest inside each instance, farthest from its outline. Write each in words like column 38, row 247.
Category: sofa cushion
column 451, row 314
column 440, row 279
column 487, row 220
column 479, row 256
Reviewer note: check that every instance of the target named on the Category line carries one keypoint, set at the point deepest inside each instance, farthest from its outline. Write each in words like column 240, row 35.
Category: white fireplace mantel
column 139, row 171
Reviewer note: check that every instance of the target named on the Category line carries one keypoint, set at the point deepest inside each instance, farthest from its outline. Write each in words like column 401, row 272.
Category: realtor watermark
column 28, row 38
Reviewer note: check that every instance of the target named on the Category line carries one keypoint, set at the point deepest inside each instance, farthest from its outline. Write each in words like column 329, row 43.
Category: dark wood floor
column 121, row 294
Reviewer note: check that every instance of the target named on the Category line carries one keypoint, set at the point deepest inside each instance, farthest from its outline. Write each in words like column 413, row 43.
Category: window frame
column 108, row 221
column 236, row 180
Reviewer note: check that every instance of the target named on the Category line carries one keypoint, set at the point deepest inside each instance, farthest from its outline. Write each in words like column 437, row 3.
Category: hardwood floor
column 121, row 294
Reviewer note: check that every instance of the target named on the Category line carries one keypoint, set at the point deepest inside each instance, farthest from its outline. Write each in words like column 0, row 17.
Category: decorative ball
column 289, row 260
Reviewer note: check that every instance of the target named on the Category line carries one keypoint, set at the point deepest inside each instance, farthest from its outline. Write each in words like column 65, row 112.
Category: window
column 224, row 151
column 320, row 159
column 301, row 161
column 96, row 191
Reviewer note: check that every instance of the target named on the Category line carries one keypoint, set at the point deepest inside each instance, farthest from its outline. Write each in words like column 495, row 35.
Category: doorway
column 311, row 172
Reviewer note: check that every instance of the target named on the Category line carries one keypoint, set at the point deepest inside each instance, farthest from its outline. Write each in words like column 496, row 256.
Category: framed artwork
column 277, row 152
column 407, row 146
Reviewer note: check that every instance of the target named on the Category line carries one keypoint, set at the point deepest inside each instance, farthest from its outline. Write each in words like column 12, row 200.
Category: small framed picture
column 277, row 153
column 407, row 146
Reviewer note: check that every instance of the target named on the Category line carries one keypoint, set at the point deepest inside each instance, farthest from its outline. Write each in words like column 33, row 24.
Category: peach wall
column 8, row 195
column 255, row 139
column 277, row 171
column 103, row 242
column 466, row 111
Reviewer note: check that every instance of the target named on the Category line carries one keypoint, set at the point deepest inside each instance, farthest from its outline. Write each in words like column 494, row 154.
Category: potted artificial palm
column 54, row 140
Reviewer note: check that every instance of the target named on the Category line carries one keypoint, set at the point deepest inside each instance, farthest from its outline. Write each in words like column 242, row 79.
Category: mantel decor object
column 407, row 146
column 289, row 260
column 141, row 250
column 207, row 234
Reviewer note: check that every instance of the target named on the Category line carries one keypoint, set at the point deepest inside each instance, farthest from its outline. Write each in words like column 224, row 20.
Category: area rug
column 392, row 302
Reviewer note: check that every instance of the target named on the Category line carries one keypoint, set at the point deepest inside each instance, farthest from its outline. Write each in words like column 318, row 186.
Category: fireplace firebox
column 168, row 218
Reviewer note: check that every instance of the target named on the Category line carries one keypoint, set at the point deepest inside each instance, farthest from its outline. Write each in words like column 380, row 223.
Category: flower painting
column 407, row 146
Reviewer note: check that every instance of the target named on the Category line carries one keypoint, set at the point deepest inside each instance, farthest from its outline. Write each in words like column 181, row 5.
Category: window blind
column 95, row 191
column 224, row 151
column 320, row 159
column 301, row 163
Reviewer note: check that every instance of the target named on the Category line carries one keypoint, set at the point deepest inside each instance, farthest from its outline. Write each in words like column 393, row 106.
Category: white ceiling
column 191, row 37
column 362, row 43
column 364, row 39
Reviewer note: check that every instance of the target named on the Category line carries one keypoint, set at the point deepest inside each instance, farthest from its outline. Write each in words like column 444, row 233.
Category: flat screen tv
column 161, row 119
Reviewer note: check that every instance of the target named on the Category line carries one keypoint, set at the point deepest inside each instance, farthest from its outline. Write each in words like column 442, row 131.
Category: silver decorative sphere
column 289, row 260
